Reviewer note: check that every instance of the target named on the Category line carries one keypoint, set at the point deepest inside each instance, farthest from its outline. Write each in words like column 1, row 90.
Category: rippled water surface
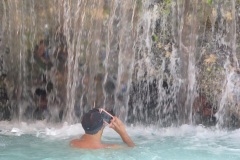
column 38, row 142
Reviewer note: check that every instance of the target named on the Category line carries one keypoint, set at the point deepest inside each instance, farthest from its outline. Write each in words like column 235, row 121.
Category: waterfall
column 161, row 62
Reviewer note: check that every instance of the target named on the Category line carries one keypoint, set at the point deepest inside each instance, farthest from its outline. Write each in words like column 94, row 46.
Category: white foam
column 40, row 128
column 65, row 130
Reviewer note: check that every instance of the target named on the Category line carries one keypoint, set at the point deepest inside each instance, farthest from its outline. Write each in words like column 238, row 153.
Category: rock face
column 163, row 62
column 5, row 108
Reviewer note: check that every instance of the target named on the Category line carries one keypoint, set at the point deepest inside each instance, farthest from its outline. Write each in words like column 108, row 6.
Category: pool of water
column 41, row 141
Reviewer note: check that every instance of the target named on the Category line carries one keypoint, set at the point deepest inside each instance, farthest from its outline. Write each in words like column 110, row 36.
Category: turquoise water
column 24, row 141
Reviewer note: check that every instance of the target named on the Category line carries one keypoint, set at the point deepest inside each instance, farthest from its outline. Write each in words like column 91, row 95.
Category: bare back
column 84, row 144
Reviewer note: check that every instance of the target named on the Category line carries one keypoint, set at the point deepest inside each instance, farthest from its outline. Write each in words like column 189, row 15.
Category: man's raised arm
column 119, row 127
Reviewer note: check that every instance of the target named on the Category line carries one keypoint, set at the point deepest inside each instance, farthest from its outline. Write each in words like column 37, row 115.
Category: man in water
column 93, row 125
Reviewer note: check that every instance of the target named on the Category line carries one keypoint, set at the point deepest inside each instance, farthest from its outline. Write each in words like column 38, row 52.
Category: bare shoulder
column 75, row 143
column 78, row 143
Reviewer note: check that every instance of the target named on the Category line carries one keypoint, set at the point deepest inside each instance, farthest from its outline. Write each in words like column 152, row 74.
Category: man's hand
column 119, row 127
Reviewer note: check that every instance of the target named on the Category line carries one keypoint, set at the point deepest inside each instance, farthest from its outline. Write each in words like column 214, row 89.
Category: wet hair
column 92, row 121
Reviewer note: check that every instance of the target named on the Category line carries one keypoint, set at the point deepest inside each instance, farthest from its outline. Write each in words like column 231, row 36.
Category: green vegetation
column 209, row 2
column 168, row 1
column 167, row 7
column 106, row 11
column 155, row 38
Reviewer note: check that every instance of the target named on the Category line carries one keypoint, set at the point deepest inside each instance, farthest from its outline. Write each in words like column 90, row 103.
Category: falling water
column 158, row 62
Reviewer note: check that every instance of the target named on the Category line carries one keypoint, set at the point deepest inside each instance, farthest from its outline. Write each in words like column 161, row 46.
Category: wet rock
column 144, row 110
column 7, row 50
column 40, row 92
column 234, row 121
column 99, row 101
column 109, row 87
column 41, row 114
column 41, row 55
column 28, row 114
column 5, row 108
column 203, row 111
column 5, row 112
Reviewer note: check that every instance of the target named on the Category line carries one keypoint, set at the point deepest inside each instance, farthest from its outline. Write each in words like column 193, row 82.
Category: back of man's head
column 92, row 121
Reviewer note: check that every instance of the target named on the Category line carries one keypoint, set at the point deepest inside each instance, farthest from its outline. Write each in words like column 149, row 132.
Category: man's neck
column 96, row 138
